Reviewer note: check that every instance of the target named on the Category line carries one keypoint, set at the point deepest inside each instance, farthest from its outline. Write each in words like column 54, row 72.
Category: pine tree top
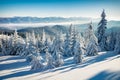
column 103, row 14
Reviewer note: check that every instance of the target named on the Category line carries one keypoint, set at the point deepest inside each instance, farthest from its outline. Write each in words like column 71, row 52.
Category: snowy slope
column 105, row 66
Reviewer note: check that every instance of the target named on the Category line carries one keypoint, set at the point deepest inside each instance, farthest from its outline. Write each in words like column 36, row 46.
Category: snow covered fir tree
column 101, row 32
column 49, row 60
column 92, row 46
column 67, row 45
column 117, row 45
column 68, row 42
column 57, row 50
column 78, row 50
column 36, row 62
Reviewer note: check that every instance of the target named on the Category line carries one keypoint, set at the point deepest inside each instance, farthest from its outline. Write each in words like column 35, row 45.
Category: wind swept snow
column 105, row 66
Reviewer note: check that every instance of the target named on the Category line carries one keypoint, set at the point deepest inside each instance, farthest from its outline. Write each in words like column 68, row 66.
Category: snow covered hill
column 105, row 66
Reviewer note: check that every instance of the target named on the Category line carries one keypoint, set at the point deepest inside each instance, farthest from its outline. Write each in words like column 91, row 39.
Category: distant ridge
column 41, row 20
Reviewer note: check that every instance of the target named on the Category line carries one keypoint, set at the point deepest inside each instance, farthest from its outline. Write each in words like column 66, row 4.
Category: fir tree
column 32, row 38
column 25, row 49
column 17, row 44
column 117, row 45
column 49, row 59
column 92, row 47
column 4, row 45
column 57, row 51
column 101, row 32
column 78, row 53
column 77, row 48
column 68, row 42
column 36, row 63
column 43, row 35
column 111, row 41
column 31, row 47
column 73, row 42
column 67, row 45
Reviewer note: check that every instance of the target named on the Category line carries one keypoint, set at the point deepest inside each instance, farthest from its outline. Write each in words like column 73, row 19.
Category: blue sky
column 60, row 8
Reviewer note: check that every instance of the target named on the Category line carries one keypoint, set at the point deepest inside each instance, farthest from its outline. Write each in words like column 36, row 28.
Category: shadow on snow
column 68, row 66
column 105, row 75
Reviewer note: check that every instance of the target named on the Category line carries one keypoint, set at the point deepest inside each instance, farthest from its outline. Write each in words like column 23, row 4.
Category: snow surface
column 105, row 66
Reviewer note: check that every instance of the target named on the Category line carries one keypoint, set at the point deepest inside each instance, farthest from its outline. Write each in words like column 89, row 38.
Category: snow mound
column 104, row 66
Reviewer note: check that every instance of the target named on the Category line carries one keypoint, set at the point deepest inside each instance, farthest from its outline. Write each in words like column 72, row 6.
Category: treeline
column 45, row 52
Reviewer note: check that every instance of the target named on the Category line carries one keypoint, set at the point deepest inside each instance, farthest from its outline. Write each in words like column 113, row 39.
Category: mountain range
column 41, row 20
column 50, row 29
